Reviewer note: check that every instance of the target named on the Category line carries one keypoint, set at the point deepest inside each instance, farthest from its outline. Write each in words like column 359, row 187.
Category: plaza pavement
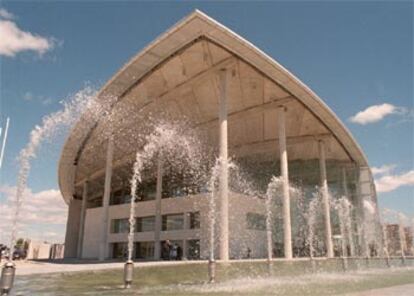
column 403, row 290
column 48, row 266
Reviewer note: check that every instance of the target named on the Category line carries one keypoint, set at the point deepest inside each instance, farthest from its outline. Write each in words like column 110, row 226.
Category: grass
column 236, row 278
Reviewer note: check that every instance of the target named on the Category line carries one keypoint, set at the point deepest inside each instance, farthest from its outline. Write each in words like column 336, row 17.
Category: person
column 179, row 253
column 249, row 253
column 173, row 252
column 165, row 252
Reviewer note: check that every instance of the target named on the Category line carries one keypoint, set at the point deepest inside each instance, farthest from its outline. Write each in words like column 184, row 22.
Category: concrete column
column 158, row 217
column 82, row 219
column 223, row 181
column 287, row 227
column 103, row 245
column 325, row 200
column 72, row 229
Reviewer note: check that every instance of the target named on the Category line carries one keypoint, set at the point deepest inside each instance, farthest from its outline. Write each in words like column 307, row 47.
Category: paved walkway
column 404, row 290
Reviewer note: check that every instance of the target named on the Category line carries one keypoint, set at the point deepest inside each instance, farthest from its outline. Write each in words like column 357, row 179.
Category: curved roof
column 193, row 28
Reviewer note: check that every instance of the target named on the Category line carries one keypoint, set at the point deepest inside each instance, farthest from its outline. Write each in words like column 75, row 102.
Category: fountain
column 51, row 126
column 271, row 190
column 212, row 220
column 311, row 220
column 401, row 232
column 173, row 143
column 342, row 206
column 168, row 141
column 385, row 243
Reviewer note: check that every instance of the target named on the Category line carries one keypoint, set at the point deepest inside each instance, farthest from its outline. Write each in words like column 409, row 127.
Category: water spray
column 313, row 263
column 3, row 145
column 311, row 220
column 385, row 245
column 166, row 140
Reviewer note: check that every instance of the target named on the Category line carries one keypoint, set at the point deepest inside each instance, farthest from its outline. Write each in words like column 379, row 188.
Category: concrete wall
column 91, row 233
column 72, row 229
column 240, row 237
column 57, row 251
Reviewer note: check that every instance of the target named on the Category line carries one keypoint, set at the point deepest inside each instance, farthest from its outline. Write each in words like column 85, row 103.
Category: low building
column 44, row 250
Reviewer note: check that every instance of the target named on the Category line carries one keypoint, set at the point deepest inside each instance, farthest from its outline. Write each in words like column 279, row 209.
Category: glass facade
column 256, row 221
column 120, row 197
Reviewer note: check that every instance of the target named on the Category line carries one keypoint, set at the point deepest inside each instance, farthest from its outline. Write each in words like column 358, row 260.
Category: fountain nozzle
column 211, row 271
column 7, row 278
column 128, row 273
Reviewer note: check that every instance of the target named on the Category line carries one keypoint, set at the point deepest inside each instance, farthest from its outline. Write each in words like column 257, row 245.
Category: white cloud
column 384, row 169
column 28, row 96
column 14, row 40
column 389, row 183
column 374, row 113
column 40, row 210
column 44, row 100
column 4, row 14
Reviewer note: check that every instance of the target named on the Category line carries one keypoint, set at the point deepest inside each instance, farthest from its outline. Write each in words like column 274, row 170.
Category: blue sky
column 353, row 54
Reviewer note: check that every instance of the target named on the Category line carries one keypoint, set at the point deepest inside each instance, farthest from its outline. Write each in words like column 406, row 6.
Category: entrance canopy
column 177, row 75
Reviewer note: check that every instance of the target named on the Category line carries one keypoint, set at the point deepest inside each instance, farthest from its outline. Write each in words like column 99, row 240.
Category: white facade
column 240, row 239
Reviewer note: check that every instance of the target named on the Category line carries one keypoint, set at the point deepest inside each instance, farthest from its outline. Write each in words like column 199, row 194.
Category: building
column 399, row 238
column 408, row 234
column 250, row 108
column 44, row 250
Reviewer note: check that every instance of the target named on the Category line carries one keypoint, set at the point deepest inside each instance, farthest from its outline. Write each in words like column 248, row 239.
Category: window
column 172, row 222
column 194, row 220
column 144, row 250
column 144, row 224
column 120, row 226
column 119, row 250
column 256, row 221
